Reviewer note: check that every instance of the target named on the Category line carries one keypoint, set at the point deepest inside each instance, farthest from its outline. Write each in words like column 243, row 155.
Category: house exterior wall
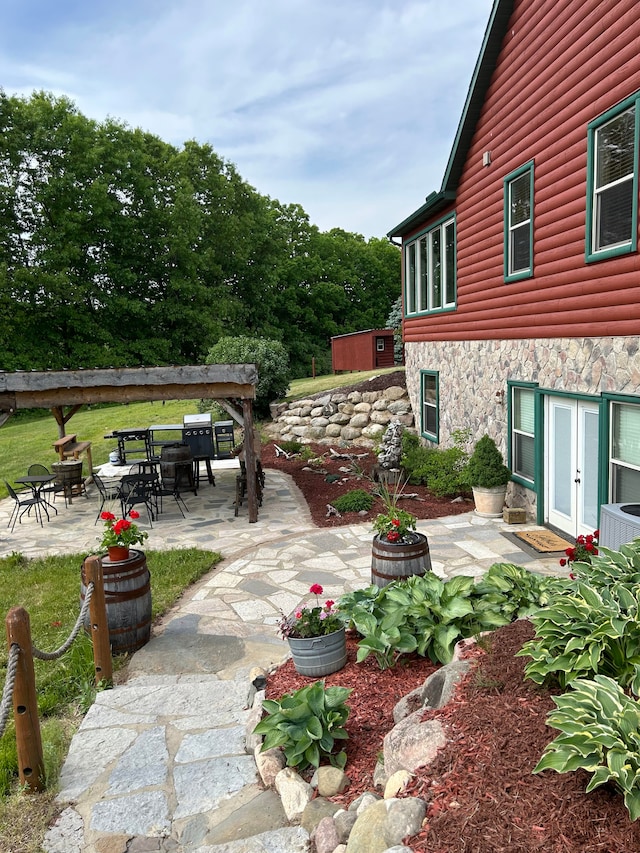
column 588, row 366
column 562, row 64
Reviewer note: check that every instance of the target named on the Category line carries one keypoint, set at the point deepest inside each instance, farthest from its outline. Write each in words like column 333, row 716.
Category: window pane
column 424, row 273
column 625, row 484
column 614, row 213
column 436, row 268
column 430, row 420
column 563, row 474
column 523, row 462
column 625, row 445
column 449, row 236
column 523, row 410
column 429, row 390
column 411, row 278
column 520, row 207
column 520, row 248
column 614, row 143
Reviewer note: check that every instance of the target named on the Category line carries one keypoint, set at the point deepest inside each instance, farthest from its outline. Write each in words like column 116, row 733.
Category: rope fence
column 20, row 684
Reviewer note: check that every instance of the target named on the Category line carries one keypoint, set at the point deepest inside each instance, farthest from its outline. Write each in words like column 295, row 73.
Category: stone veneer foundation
column 472, row 373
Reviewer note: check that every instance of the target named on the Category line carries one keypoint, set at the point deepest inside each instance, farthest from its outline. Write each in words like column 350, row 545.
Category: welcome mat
column 544, row 541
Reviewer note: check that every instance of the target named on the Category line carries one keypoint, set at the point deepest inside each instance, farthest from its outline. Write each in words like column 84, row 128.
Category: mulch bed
column 315, row 482
column 482, row 796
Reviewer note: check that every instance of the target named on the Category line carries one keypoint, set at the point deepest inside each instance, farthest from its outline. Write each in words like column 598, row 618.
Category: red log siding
column 562, row 64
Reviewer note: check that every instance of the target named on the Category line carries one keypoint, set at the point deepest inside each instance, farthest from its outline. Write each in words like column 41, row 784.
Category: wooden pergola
column 72, row 389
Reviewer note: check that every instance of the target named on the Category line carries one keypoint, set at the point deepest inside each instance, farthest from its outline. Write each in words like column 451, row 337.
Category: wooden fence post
column 25, row 704
column 103, row 663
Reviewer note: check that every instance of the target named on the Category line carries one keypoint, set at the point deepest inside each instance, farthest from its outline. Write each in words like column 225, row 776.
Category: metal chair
column 135, row 491
column 24, row 504
column 52, row 489
column 108, row 492
column 163, row 490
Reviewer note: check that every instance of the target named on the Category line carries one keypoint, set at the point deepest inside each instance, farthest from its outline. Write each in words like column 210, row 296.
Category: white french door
column 571, row 462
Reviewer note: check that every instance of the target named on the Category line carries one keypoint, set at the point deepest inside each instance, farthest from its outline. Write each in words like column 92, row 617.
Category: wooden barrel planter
column 69, row 476
column 393, row 561
column 127, row 592
column 172, row 466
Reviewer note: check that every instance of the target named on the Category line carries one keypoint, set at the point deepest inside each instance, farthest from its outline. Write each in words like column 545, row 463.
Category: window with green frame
column 624, row 452
column 430, row 269
column 430, row 404
column 523, row 433
column 612, row 181
column 518, row 224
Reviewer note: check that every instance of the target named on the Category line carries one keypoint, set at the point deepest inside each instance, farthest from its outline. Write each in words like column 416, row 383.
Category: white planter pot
column 489, row 502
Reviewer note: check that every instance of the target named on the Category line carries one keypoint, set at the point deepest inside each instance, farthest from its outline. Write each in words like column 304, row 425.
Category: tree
column 271, row 359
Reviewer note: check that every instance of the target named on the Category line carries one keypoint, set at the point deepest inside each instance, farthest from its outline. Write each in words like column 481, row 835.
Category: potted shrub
column 398, row 551
column 488, row 477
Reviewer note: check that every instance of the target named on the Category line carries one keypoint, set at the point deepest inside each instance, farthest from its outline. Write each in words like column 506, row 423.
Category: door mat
column 544, row 541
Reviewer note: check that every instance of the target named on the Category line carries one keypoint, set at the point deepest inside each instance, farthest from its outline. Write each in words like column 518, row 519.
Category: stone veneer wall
column 357, row 417
column 470, row 373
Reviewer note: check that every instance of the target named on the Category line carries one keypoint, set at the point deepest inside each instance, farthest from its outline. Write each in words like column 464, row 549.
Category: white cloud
column 347, row 108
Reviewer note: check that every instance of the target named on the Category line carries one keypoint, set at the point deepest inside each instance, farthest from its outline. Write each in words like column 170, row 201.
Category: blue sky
column 346, row 107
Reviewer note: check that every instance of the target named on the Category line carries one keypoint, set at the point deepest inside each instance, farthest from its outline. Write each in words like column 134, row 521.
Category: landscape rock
column 315, row 811
column 344, row 821
column 412, row 743
column 396, row 783
column 325, row 836
column 386, row 823
column 269, row 764
column 329, row 780
column 294, row 792
column 436, row 691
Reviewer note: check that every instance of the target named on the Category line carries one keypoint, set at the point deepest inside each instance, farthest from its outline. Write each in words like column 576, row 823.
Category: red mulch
column 311, row 480
column 482, row 795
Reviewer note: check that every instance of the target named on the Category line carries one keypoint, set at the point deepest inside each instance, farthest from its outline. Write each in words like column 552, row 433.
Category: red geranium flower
column 316, row 589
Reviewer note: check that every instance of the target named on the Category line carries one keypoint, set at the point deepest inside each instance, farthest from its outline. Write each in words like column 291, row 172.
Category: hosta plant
column 600, row 733
column 590, row 626
column 306, row 725
column 427, row 615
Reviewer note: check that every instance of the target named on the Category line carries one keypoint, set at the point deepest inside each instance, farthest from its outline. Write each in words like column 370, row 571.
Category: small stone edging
column 374, row 822
column 358, row 418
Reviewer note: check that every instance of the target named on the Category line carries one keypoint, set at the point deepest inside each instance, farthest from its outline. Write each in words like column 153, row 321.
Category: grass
column 301, row 388
column 48, row 588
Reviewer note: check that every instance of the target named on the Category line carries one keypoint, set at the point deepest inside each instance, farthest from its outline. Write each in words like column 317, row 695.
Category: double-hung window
column 430, row 270
column 429, row 392
column 523, row 433
column 518, row 224
column 612, row 181
column 624, row 454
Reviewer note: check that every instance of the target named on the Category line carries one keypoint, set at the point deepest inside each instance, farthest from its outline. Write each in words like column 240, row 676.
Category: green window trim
column 430, row 285
column 612, row 182
column 524, row 431
column 518, row 223
column 430, row 405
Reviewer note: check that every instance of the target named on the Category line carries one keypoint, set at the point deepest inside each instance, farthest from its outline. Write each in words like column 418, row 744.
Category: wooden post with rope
column 25, row 704
column 102, row 661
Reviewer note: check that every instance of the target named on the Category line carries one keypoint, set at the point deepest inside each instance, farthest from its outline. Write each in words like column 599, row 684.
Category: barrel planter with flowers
column 398, row 551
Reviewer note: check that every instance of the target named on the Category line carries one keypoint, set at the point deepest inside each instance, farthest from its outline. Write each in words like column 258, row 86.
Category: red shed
column 362, row 350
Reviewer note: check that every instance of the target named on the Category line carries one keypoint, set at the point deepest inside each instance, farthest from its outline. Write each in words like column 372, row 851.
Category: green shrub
column 306, row 724
column 357, row 500
column 486, row 467
column 271, row 358
column 290, row 446
column 442, row 471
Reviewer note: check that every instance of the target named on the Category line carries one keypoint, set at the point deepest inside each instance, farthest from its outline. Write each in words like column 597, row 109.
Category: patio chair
column 164, row 490
column 22, row 505
column 107, row 491
column 135, row 491
column 52, row 489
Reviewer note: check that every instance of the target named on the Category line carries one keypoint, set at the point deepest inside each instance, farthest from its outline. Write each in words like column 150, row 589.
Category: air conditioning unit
column 619, row 524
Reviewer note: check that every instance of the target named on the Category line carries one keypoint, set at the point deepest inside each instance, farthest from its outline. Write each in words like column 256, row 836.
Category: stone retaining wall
column 337, row 417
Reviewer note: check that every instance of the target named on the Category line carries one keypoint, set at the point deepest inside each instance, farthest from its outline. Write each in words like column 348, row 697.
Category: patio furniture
column 168, row 490
column 108, row 491
column 136, row 489
column 241, row 484
column 48, row 486
column 22, row 505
